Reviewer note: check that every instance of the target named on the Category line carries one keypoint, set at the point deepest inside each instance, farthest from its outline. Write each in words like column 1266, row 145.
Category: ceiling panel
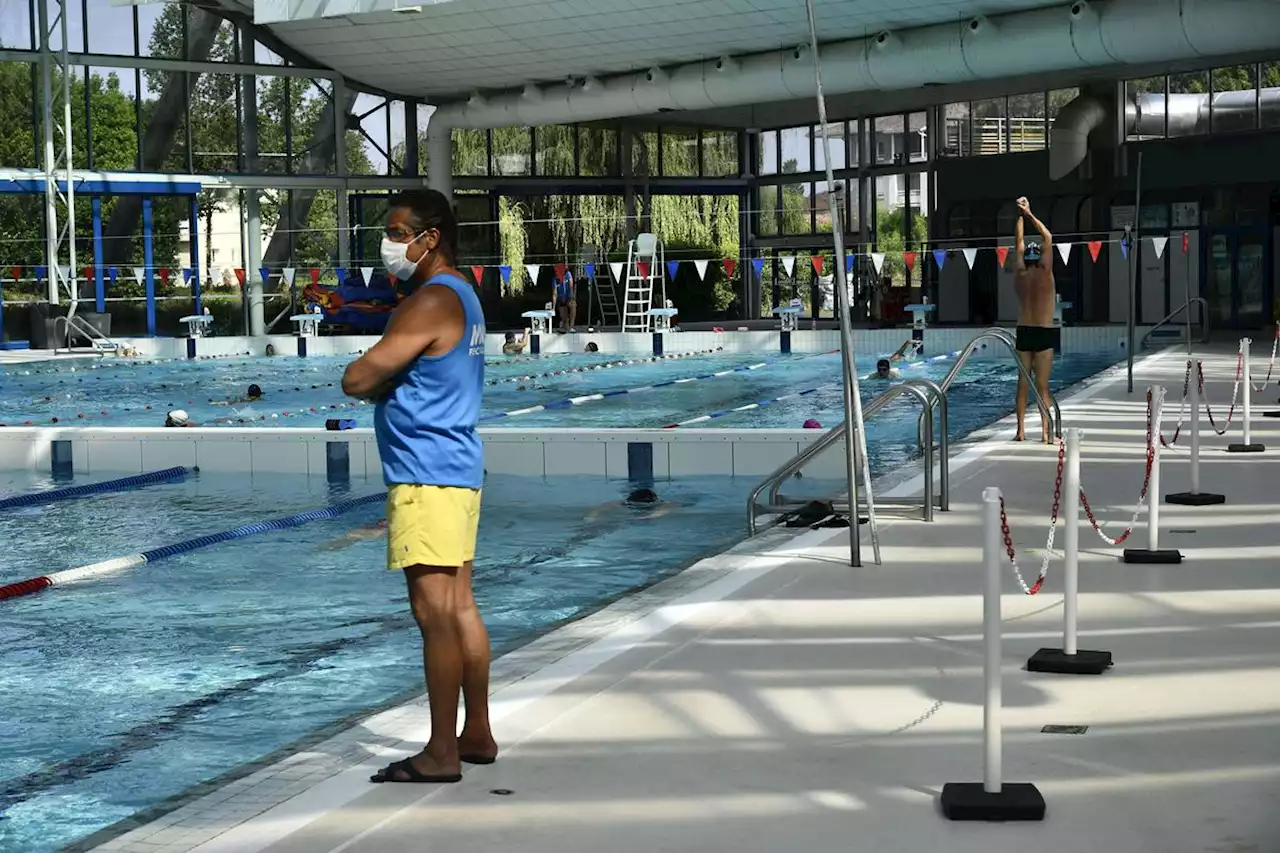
column 450, row 49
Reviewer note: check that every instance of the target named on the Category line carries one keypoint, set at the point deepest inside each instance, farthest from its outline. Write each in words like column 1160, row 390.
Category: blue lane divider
column 261, row 527
column 72, row 492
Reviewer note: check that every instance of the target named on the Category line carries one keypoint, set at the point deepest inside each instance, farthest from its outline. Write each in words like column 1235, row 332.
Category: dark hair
column 592, row 347
column 254, row 391
column 884, row 362
column 511, row 336
column 430, row 209
column 642, row 496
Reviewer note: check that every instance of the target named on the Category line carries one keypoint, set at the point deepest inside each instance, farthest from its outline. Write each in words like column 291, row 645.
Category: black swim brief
column 1038, row 338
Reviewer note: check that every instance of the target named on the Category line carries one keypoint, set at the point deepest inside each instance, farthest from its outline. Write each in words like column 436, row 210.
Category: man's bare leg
column 1042, row 365
column 433, row 599
column 476, row 742
column 573, row 313
column 1025, row 358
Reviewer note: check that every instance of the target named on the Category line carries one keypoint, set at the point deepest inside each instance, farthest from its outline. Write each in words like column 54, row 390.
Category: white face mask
column 395, row 259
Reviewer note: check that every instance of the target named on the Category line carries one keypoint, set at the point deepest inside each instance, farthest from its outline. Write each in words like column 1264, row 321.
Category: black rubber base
column 1275, row 414
column 1195, row 499
column 968, row 801
column 1163, row 556
column 1245, row 448
column 1081, row 663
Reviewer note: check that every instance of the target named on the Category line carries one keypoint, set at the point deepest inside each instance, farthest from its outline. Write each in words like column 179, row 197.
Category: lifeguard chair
column 645, row 263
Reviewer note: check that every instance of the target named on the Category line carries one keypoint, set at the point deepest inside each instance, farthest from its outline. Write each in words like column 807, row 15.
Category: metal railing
column 1186, row 306
column 74, row 325
column 996, row 333
column 930, row 396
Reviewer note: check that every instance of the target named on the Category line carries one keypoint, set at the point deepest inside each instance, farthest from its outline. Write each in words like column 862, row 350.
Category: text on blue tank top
column 426, row 427
column 564, row 287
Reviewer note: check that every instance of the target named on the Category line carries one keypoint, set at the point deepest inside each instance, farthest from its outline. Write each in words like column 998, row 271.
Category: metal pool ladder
column 932, row 396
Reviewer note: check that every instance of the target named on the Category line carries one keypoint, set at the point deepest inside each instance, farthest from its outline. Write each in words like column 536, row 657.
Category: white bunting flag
column 289, row 273
column 1159, row 243
column 533, row 270
column 877, row 258
column 140, row 274
column 789, row 264
column 1064, row 249
column 215, row 274
column 65, row 272
column 970, row 255
column 616, row 269
column 367, row 273
column 701, row 267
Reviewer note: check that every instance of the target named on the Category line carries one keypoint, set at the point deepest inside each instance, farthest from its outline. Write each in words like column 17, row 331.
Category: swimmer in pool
column 909, row 350
column 513, row 345
column 884, row 370
column 253, row 395
column 351, row 537
column 643, row 502
column 592, row 346
column 178, row 418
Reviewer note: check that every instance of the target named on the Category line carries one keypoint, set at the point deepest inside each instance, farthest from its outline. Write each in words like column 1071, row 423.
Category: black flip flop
column 478, row 759
column 407, row 768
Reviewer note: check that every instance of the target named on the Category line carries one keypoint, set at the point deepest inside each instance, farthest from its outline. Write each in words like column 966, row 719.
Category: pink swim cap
column 812, row 424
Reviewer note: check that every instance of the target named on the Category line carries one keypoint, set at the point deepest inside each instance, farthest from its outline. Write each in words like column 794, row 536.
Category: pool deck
column 774, row 695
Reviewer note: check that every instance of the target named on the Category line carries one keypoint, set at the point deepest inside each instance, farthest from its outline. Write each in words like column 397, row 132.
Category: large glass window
column 679, row 152
column 886, row 140
column 470, row 151
column 768, row 213
column 990, row 126
column 917, row 137
column 956, row 130
column 555, row 149
column 1027, row 122
column 644, row 154
column 1147, row 95
column 797, row 213
column 1235, row 98
column 598, row 151
column 1271, row 93
column 511, row 150
column 719, row 153
column 1059, row 98
column 835, row 131
column 796, row 153
column 1188, row 101
column 767, row 153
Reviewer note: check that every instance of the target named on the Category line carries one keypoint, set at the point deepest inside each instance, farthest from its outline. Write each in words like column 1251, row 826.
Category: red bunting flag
column 240, row 275
column 1184, row 242
column 477, row 273
column 909, row 258
column 87, row 272
column 643, row 268
column 1095, row 246
column 315, row 275
column 729, row 266
column 560, row 268
column 163, row 272
column 1002, row 254
column 16, row 273
column 816, row 260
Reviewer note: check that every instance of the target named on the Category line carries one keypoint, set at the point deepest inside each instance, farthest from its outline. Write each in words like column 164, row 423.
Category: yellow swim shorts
column 431, row 525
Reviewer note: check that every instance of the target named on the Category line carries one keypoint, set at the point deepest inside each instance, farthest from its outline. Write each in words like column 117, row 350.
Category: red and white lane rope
column 1182, row 409
column 1032, row 589
column 1275, row 346
column 1235, row 393
column 1152, row 430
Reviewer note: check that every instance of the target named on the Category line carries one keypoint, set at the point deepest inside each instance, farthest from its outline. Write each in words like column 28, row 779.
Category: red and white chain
column 1152, row 429
column 1235, row 393
column 1275, row 345
column 1182, row 410
column 1053, row 529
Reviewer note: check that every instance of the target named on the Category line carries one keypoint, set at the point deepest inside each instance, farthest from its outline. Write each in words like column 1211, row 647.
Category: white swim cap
column 179, row 417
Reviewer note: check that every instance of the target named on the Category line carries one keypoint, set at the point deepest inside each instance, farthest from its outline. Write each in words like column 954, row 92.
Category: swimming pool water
column 123, row 691
column 141, row 394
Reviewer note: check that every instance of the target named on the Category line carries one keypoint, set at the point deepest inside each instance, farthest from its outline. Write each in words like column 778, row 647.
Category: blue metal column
column 194, row 228
column 149, row 273
column 99, row 285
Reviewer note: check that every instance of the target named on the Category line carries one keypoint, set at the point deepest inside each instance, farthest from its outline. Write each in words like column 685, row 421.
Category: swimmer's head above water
column 884, row 369
column 642, row 497
column 1032, row 254
column 254, row 392
column 592, row 346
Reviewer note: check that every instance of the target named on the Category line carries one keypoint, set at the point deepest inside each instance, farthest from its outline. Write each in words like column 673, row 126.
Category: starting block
column 197, row 325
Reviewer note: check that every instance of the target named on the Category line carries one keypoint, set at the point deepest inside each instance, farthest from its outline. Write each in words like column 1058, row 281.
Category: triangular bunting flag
column 15, row 273
column 1124, row 247
column 41, row 272
column 366, row 273
column 289, row 273
column 65, row 272
column 139, row 274
column 342, row 273
column 215, row 274
column 877, row 260
column 729, row 265
column 970, row 255
column 240, row 275
column 1159, row 243
column 589, row 270
column 848, row 262
column 505, row 272
column 909, row 258
column 163, row 272
column 186, row 275
column 560, row 268
column 757, row 264
column 1095, row 248
column 313, row 272
column 642, row 268
column 1064, row 249
column 939, row 257
column 816, row 260
column 789, row 264
column 701, row 267
column 1185, row 239
column 533, row 270
column 672, row 268
column 1002, row 255
column 266, row 276
column 477, row 273
column 616, row 269
column 112, row 273
column 87, row 273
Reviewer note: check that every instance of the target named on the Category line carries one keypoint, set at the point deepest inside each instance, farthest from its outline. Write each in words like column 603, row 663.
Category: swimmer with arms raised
column 1037, row 337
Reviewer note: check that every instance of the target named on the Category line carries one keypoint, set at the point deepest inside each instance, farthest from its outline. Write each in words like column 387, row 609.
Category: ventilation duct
column 1082, row 35
column 1189, row 114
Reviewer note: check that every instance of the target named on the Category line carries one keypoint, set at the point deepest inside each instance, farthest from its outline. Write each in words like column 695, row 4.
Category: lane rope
column 166, row 475
column 118, row 564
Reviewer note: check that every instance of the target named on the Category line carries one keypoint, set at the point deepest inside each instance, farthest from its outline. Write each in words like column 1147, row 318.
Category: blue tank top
column 426, row 428
column 564, row 287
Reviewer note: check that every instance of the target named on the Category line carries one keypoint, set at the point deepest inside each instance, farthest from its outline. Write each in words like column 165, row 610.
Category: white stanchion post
column 991, row 799
column 1070, row 659
column 1246, row 347
column 1195, row 497
column 1152, row 553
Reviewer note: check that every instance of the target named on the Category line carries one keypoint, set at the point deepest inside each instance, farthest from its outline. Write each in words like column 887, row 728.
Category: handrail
column 1002, row 335
column 1186, row 306
column 774, row 481
column 82, row 326
column 944, row 478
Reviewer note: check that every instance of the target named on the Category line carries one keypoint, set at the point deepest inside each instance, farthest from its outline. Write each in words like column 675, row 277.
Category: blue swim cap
column 1032, row 253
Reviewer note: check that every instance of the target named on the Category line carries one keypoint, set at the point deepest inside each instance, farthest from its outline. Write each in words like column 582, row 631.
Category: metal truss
column 55, row 102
